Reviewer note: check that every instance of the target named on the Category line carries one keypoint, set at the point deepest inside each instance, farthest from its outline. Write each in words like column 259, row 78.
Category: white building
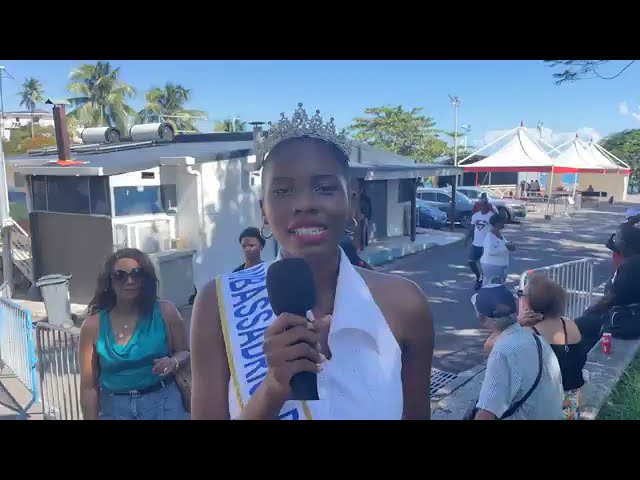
column 197, row 192
column 13, row 120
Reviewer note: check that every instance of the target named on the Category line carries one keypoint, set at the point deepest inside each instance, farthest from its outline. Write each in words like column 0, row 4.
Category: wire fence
column 59, row 371
column 576, row 277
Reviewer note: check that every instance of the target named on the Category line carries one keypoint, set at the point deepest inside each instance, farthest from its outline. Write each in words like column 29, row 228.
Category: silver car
column 512, row 209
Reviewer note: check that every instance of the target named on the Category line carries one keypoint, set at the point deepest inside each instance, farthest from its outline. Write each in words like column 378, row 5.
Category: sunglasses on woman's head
column 120, row 276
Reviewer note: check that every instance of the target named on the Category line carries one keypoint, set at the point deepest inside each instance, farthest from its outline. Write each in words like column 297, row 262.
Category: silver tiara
column 300, row 126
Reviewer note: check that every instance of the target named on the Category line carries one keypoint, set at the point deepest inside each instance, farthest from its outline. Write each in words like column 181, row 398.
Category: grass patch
column 624, row 401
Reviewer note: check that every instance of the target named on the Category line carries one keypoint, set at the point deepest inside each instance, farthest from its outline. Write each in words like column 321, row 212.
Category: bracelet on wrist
column 176, row 362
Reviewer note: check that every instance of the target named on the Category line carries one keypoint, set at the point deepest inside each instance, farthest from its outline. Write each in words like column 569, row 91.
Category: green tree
column 30, row 96
column 626, row 146
column 167, row 104
column 584, row 69
column 101, row 97
column 405, row 132
column 229, row 125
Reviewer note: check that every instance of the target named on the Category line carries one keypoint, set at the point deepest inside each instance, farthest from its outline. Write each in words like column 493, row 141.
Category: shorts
column 475, row 253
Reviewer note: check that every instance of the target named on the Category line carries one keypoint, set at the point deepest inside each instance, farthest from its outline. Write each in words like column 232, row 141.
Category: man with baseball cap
column 522, row 380
column 625, row 242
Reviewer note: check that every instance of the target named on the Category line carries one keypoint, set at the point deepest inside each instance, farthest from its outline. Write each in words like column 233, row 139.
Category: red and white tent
column 520, row 154
column 595, row 167
column 588, row 158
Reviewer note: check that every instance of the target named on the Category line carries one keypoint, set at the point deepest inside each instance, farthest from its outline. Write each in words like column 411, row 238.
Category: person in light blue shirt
column 131, row 346
column 522, row 380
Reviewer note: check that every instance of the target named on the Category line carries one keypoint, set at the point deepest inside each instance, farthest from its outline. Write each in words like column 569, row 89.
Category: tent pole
column 488, row 145
column 549, row 190
column 607, row 152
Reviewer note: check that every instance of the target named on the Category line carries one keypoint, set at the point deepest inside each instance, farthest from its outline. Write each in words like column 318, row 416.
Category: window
column 442, row 198
column 68, row 194
column 100, row 203
column 406, row 190
column 471, row 193
column 137, row 200
column 39, row 192
column 429, row 196
column 169, row 197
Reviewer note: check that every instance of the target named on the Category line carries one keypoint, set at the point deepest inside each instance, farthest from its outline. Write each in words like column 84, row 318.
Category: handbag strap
column 514, row 408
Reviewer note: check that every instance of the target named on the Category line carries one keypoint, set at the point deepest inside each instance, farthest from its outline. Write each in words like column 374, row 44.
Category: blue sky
column 496, row 95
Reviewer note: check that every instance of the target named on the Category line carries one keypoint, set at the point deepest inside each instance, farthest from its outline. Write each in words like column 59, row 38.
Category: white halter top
column 361, row 381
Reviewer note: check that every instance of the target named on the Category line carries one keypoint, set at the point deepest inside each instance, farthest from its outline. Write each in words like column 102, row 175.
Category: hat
column 494, row 301
column 626, row 281
column 627, row 239
column 632, row 212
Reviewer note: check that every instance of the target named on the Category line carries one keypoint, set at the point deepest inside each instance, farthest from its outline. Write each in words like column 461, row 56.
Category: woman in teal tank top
column 131, row 346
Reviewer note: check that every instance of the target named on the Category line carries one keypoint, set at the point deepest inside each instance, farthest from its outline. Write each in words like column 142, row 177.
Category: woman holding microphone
column 370, row 335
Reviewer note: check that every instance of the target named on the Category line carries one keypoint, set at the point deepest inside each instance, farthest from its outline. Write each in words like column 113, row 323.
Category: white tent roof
column 521, row 154
column 585, row 157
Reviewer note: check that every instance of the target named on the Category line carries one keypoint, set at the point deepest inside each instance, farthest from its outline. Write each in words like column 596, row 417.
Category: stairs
column 21, row 251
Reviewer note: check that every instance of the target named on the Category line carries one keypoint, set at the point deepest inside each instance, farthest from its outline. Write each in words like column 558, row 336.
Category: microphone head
column 291, row 286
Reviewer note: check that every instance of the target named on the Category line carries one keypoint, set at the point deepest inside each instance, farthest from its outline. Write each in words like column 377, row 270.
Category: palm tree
column 229, row 125
column 167, row 104
column 30, row 95
column 101, row 96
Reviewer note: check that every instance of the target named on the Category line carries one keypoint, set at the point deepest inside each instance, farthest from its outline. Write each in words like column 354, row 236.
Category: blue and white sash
column 245, row 314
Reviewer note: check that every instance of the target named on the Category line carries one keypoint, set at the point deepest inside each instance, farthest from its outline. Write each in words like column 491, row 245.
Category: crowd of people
column 368, row 338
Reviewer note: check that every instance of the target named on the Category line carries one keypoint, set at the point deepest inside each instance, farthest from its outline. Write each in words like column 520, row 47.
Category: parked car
column 511, row 208
column 429, row 216
column 441, row 199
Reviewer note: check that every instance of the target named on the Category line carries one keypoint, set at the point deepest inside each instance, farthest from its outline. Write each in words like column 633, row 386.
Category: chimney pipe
column 62, row 132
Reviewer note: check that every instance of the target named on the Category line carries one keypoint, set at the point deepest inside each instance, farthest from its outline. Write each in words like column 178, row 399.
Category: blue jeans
column 164, row 404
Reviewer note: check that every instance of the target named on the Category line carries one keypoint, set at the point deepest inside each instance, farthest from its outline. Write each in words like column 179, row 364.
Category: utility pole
column 5, row 219
column 455, row 101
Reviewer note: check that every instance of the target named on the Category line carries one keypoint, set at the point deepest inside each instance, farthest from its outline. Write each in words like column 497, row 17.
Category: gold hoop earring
column 262, row 233
column 352, row 230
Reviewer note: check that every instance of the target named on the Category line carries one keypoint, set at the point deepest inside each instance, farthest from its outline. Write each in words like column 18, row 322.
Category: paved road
column 445, row 277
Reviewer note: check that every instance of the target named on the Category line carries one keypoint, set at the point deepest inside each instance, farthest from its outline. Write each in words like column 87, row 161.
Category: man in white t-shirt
column 478, row 231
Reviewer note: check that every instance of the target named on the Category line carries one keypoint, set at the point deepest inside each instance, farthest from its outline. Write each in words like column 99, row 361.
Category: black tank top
column 571, row 359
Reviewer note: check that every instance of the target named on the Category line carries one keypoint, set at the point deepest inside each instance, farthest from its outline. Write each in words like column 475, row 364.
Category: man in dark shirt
column 252, row 244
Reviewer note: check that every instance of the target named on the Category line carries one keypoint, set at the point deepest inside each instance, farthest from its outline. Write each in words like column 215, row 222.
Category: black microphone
column 291, row 289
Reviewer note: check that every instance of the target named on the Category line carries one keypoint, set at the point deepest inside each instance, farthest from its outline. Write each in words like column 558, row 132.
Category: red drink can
column 606, row 343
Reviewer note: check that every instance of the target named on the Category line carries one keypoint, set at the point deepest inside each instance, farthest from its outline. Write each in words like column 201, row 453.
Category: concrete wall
column 230, row 205
column 612, row 183
column 71, row 244
column 395, row 210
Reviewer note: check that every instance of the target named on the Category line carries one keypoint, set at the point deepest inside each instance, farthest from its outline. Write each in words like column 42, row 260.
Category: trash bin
column 55, row 293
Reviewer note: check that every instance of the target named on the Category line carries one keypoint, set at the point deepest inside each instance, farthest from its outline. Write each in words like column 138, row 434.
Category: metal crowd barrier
column 59, row 371
column 576, row 277
column 17, row 348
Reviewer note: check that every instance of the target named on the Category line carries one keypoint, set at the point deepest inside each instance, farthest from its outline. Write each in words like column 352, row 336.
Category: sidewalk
column 392, row 248
column 15, row 399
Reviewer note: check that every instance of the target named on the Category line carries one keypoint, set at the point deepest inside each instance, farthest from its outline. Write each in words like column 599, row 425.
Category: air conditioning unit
column 150, row 237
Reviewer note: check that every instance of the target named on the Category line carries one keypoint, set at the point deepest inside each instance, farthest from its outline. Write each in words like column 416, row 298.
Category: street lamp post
column 455, row 101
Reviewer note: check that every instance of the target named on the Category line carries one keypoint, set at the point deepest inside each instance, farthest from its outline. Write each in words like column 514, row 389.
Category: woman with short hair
column 496, row 252
column 542, row 306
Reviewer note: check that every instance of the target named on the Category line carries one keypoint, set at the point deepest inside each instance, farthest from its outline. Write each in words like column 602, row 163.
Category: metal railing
column 59, row 368
column 17, row 348
column 576, row 277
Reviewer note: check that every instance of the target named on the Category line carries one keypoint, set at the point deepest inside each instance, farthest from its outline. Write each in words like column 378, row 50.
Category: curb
column 388, row 255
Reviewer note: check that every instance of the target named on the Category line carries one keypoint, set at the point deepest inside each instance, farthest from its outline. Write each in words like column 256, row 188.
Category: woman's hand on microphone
column 291, row 345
